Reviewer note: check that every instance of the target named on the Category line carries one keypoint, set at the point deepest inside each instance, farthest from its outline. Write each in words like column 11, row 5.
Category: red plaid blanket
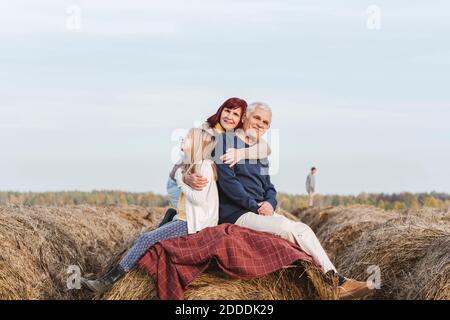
column 239, row 252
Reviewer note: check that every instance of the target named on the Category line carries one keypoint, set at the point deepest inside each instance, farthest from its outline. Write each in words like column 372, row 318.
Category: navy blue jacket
column 245, row 185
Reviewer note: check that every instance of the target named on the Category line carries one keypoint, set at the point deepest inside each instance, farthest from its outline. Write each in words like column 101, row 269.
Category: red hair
column 232, row 103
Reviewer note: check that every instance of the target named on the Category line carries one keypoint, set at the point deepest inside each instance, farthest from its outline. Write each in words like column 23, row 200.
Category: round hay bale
column 316, row 216
column 136, row 285
column 410, row 247
column 300, row 282
column 293, row 283
column 287, row 214
column 40, row 243
column 431, row 275
column 397, row 249
column 337, row 228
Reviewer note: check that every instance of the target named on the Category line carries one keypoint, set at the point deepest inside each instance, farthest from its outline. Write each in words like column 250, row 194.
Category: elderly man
column 248, row 198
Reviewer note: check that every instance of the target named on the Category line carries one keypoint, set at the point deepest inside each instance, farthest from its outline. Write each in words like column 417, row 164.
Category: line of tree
column 396, row 201
column 68, row 198
column 286, row 201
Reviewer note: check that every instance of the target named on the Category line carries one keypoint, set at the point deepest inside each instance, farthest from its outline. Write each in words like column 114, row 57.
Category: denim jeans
column 173, row 191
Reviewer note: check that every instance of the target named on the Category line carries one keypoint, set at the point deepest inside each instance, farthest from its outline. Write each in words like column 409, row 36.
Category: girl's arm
column 196, row 197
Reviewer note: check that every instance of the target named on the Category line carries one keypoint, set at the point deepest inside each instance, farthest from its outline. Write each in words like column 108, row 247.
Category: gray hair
column 252, row 107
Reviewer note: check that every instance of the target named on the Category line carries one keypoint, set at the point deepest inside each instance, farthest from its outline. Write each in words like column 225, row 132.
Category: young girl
column 197, row 209
column 228, row 117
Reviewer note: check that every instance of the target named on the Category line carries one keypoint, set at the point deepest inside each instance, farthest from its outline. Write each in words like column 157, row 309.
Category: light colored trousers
column 311, row 198
column 294, row 231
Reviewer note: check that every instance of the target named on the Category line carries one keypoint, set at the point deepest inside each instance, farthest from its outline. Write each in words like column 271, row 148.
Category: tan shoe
column 352, row 289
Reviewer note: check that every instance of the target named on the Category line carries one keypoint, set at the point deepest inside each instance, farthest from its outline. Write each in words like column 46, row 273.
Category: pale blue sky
column 96, row 108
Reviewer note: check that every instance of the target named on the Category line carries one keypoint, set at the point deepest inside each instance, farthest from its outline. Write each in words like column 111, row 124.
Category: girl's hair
column 203, row 144
column 232, row 103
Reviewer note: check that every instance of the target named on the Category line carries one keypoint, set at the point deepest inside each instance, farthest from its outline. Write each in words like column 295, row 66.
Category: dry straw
column 411, row 248
column 297, row 282
column 40, row 243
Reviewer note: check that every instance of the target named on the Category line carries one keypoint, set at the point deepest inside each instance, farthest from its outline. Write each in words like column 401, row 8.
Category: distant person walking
column 311, row 185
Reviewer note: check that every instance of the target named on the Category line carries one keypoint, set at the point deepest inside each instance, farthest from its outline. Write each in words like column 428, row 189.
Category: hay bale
column 287, row 214
column 136, row 285
column 40, row 243
column 337, row 227
column 431, row 275
column 411, row 247
column 316, row 216
column 398, row 250
column 299, row 282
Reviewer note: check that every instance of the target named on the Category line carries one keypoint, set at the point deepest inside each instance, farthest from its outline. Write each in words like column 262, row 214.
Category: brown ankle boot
column 352, row 289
